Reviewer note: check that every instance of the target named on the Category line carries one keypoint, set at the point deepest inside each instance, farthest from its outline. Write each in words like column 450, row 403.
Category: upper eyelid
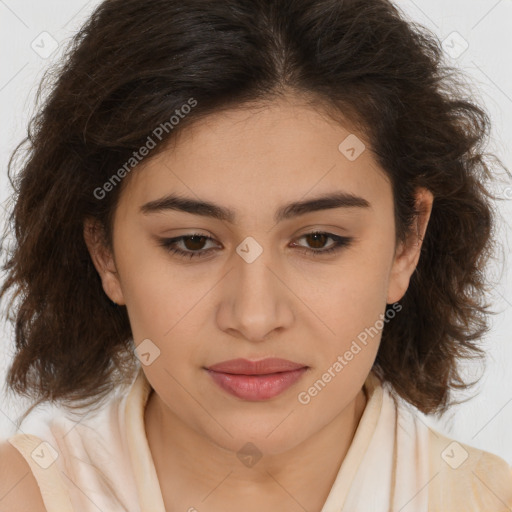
column 316, row 231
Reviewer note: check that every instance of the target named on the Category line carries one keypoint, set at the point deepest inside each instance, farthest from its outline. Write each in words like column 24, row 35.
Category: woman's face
column 261, row 287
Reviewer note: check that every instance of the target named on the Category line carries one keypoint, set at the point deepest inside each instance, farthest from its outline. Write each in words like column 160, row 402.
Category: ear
column 407, row 253
column 103, row 260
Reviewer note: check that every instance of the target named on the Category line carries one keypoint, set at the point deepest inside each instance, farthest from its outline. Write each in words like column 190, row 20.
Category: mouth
column 256, row 380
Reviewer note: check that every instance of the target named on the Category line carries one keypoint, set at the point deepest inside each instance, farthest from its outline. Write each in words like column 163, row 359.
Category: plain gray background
column 477, row 39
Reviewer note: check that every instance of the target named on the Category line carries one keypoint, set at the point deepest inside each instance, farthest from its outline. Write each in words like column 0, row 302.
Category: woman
column 259, row 229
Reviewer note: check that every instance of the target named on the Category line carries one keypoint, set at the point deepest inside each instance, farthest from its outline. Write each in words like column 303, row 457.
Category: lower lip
column 257, row 387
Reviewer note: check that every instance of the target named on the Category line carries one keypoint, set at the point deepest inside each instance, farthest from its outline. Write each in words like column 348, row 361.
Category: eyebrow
column 287, row 211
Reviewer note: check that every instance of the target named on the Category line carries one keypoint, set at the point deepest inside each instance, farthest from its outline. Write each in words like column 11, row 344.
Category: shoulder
column 464, row 476
column 18, row 487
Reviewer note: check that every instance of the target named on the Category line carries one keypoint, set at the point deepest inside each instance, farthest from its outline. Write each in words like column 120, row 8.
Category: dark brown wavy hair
column 135, row 63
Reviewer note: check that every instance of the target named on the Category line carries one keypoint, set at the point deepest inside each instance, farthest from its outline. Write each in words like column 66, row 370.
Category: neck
column 190, row 465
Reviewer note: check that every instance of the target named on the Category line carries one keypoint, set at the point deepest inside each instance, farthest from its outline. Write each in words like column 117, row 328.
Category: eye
column 193, row 244
column 318, row 239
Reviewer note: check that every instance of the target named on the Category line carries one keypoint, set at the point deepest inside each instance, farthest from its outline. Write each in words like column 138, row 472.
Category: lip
column 260, row 367
column 256, row 380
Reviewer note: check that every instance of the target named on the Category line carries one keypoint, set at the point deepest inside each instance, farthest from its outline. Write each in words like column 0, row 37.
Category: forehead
column 276, row 152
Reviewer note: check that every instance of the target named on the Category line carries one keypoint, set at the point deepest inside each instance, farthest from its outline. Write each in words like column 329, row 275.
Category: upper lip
column 261, row 367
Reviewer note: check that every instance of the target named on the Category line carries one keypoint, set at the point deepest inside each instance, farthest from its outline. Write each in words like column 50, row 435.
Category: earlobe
column 408, row 253
column 103, row 260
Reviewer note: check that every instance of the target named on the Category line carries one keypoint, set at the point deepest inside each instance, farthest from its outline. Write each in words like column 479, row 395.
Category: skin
column 286, row 303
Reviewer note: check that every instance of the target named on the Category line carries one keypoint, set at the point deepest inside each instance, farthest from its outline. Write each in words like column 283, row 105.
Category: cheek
column 160, row 306
column 353, row 313
column 351, row 306
column 165, row 307
column 156, row 292
column 165, row 300
column 354, row 295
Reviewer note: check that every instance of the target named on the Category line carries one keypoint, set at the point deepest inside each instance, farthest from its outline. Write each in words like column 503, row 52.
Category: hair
column 132, row 66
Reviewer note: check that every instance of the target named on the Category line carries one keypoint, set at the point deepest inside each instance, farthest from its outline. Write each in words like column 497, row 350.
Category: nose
column 255, row 300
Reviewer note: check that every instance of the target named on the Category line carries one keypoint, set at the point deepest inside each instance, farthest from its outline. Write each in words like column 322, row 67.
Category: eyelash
column 169, row 244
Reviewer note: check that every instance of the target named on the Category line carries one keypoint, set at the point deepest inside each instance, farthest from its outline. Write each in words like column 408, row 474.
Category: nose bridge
column 256, row 279
column 258, row 298
column 256, row 285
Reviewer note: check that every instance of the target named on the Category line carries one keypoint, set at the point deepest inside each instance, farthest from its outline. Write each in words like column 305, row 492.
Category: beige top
column 395, row 462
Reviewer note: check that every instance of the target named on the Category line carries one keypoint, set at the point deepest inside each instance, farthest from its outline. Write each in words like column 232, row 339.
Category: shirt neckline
column 148, row 486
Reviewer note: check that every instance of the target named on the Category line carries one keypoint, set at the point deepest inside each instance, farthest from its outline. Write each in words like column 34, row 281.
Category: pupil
column 193, row 239
column 315, row 236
